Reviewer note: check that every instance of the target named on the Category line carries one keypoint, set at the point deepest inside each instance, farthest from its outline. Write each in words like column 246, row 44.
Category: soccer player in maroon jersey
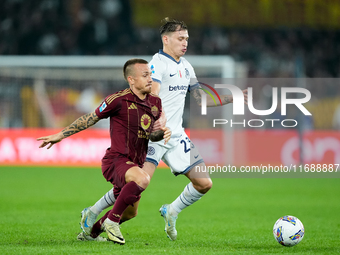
column 173, row 76
column 133, row 113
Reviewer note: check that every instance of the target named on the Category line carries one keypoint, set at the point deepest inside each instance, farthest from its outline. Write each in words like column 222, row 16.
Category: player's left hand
column 167, row 134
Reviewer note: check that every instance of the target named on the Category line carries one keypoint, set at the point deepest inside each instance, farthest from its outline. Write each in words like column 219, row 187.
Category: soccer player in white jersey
column 173, row 76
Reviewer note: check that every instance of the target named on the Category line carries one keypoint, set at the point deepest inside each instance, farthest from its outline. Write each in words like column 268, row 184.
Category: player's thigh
column 154, row 156
column 149, row 168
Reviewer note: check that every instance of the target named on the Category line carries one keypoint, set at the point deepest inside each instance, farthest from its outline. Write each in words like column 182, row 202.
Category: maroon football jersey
column 131, row 122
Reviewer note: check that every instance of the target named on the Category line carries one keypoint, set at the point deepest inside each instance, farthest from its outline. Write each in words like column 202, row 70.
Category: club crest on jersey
column 154, row 110
column 187, row 74
column 145, row 121
column 102, row 107
column 151, row 150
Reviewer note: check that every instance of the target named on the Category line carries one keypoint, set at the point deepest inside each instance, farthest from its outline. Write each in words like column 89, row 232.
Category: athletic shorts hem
column 151, row 161
column 190, row 167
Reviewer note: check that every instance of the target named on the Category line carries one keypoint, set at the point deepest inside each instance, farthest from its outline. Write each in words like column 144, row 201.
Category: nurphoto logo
column 239, row 105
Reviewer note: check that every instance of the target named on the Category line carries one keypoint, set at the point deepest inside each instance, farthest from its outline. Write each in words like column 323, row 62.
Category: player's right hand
column 167, row 134
column 51, row 140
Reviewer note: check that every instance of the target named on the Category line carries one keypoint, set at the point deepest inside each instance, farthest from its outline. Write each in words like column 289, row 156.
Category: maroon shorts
column 114, row 170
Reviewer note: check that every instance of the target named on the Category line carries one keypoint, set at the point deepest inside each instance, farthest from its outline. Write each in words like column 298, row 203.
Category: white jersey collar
column 168, row 56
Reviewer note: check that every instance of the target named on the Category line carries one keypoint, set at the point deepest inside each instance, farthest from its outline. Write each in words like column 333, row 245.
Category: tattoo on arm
column 227, row 99
column 157, row 136
column 80, row 124
column 197, row 95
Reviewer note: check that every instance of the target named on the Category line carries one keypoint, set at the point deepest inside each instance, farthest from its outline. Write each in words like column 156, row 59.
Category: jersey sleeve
column 193, row 80
column 158, row 68
column 109, row 107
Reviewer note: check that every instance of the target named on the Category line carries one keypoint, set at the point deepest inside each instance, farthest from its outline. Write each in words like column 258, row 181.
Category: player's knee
column 143, row 180
column 140, row 177
column 207, row 185
column 204, row 186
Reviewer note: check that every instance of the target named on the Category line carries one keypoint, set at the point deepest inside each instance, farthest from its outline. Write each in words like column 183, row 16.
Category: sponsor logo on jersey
column 102, row 107
column 171, row 75
column 132, row 107
column 178, row 87
column 145, row 121
column 129, row 163
column 143, row 134
column 152, row 69
column 154, row 110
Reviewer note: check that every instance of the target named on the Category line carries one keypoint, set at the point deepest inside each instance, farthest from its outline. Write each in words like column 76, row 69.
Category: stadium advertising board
column 276, row 147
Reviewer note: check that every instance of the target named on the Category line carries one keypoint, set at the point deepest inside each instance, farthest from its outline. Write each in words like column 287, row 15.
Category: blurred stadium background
column 60, row 58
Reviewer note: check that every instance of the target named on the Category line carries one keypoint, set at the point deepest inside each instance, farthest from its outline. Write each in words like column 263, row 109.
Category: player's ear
column 165, row 39
column 130, row 79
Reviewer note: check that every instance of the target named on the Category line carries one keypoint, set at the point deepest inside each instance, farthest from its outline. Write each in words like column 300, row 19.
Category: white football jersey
column 175, row 79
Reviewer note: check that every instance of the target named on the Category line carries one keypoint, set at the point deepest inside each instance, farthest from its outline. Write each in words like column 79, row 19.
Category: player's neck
column 171, row 54
column 139, row 94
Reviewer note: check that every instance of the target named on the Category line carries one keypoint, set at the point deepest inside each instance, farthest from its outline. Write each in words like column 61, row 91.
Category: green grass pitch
column 40, row 213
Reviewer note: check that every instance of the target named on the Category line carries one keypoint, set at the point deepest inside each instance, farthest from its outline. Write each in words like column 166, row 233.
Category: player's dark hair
column 172, row 25
column 127, row 70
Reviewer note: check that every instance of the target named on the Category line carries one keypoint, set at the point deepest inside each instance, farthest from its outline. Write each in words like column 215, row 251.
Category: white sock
column 189, row 196
column 105, row 202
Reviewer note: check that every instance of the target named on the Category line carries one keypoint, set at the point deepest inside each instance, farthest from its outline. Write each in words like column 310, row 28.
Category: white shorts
column 180, row 154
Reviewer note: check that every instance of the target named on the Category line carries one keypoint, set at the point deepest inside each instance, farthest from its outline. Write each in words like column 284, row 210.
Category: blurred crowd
column 105, row 27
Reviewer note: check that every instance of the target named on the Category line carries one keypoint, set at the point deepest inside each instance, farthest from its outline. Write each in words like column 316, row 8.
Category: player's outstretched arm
column 78, row 125
column 163, row 133
column 226, row 99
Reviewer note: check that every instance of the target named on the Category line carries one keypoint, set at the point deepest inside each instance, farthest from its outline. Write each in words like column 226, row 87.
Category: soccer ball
column 288, row 231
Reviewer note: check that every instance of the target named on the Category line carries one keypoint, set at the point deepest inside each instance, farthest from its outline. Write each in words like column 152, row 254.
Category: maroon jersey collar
column 142, row 100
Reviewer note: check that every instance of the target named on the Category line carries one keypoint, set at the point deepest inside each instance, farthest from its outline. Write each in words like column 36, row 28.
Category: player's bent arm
column 156, row 136
column 197, row 94
column 164, row 133
column 78, row 125
column 155, row 87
